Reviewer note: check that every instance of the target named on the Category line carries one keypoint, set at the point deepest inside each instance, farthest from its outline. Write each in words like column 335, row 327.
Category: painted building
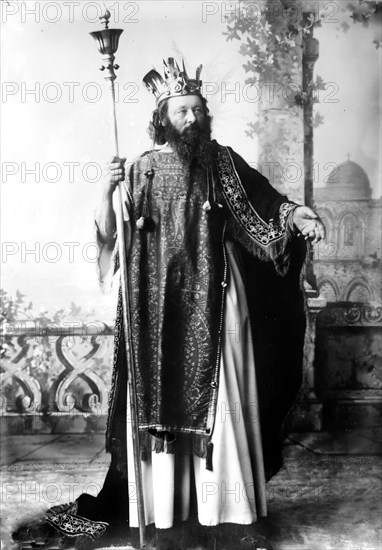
column 348, row 353
column 348, row 264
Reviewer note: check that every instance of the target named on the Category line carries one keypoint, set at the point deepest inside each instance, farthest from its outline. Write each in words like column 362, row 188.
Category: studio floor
column 327, row 496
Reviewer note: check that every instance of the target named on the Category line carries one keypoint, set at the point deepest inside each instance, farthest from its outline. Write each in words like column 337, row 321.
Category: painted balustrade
column 55, row 368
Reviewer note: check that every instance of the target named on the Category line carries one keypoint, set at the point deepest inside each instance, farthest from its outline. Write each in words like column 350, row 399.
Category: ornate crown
column 175, row 82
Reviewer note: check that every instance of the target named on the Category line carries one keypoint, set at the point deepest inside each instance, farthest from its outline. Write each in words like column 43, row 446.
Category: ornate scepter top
column 107, row 41
column 105, row 18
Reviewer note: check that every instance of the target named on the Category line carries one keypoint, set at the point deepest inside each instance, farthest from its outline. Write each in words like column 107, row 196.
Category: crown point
column 175, row 82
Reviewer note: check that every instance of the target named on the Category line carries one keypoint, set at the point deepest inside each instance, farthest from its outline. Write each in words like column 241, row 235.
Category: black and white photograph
column 191, row 275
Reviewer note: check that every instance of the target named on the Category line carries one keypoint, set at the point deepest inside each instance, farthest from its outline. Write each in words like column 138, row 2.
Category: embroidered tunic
column 178, row 277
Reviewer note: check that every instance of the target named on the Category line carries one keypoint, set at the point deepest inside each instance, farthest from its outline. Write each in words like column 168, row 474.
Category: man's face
column 185, row 112
column 188, row 128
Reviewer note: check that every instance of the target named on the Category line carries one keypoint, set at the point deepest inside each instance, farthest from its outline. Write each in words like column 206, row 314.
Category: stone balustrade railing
column 64, row 369
column 55, row 368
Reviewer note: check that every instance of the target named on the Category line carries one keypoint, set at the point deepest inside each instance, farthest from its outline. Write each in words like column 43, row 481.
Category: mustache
column 191, row 143
column 193, row 132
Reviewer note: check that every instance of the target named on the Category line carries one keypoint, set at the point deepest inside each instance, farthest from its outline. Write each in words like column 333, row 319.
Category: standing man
column 214, row 255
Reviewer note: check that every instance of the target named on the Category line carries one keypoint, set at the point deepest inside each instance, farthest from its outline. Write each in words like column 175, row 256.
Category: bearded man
column 214, row 255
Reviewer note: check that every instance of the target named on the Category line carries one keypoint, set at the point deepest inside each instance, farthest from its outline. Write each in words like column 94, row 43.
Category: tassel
column 146, row 224
column 207, row 206
column 141, row 222
column 210, row 448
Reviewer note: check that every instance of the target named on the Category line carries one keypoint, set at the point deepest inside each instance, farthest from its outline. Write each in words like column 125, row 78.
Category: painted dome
column 348, row 181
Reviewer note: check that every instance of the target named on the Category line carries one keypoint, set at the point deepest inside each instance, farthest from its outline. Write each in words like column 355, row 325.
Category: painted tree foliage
column 271, row 34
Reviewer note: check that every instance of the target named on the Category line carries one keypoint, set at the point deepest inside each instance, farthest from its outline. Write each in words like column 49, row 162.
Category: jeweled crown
column 175, row 83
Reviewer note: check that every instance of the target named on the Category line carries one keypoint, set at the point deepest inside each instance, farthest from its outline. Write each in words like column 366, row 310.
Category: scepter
column 107, row 40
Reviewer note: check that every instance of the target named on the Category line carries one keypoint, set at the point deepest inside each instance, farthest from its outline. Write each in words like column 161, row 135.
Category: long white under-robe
column 228, row 493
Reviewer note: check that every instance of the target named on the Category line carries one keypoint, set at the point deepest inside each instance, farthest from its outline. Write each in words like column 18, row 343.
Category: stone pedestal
column 348, row 365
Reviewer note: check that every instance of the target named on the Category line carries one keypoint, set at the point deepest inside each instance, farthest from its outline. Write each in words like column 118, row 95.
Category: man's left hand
column 308, row 224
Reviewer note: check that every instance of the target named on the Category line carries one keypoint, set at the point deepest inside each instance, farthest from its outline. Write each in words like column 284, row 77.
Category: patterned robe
column 178, row 277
